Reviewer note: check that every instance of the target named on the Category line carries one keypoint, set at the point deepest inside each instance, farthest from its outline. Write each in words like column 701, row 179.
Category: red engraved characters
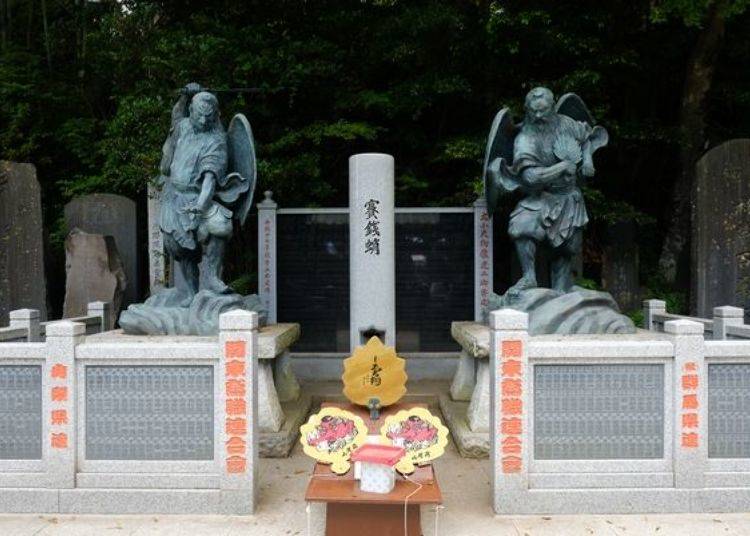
column 689, row 411
column 511, row 406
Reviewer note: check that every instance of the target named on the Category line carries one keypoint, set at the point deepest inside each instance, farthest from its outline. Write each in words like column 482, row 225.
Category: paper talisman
column 374, row 371
column 331, row 435
column 420, row 432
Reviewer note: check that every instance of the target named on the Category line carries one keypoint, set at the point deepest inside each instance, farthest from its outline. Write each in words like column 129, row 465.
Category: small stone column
column 372, row 269
column 482, row 260
column 157, row 272
column 238, row 411
column 509, row 419
column 690, row 403
column 27, row 319
column 651, row 308
column 267, row 255
column 104, row 311
column 59, row 408
column 723, row 317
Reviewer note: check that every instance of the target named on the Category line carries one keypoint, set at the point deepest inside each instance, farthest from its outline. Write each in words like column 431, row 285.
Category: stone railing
column 728, row 323
column 25, row 324
column 649, row 422
column 131, row 424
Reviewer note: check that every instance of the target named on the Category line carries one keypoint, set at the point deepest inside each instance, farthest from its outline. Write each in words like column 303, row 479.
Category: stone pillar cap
column 683, row 327
column 728, row 311
column 65, row 328
column 24, row 314
column 655, row 304
column 509, row 319
column 237, row 320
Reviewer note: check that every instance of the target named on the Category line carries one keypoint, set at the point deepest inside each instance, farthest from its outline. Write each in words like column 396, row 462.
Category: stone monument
column 207, row 176
column 115, row 216
column 372, row 265
column 721, row 232
column 93, row 272
column 22, row 281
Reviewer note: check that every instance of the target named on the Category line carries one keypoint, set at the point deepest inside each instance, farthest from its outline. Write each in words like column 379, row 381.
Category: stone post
column 267, row 255
column 509, row 419
column 104, row 311
column 727, row 316
column 157, row 273
column 372, row 269
column 27, row 319
column 482, row 259
column 59, row 403
column 690, row 403
column 650, row 308
column 237, row 410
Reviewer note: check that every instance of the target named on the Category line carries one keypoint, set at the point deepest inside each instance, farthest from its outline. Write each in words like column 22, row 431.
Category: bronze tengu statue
column 544, row 158
column 208, row 177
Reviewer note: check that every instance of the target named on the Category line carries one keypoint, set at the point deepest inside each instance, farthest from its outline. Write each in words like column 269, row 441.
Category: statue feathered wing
column 573, row 106
column 237, row 189
column 498, row 158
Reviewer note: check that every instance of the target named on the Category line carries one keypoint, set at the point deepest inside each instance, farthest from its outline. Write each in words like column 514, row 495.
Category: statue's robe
column 188, row 155
column 553, row 209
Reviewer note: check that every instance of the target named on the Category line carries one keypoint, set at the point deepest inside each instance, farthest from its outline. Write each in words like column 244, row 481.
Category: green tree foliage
column 86, row 89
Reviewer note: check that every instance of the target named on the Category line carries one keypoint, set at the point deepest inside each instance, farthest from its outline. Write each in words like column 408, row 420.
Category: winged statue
column 544, row 159
column 207, row 178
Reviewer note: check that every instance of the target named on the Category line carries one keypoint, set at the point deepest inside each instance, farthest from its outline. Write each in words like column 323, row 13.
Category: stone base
column 279, row 444
column 455, row 415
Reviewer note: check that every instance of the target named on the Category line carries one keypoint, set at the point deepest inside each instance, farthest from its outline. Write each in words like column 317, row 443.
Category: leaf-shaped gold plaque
column 331, row 435
column 374, row 371
column 418, row 431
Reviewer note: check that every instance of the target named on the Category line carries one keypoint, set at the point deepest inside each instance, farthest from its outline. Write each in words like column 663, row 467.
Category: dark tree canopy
column 86, row 90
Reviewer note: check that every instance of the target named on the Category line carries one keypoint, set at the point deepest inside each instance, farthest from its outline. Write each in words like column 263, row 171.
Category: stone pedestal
column 467, row 408
column 282, row 407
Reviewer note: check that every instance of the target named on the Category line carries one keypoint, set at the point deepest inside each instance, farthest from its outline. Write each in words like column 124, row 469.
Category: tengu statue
column 207, row 177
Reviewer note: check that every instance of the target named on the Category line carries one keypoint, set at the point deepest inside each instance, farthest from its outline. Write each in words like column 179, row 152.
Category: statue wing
column 573, row 106
column 498, row 157
column 239, row 186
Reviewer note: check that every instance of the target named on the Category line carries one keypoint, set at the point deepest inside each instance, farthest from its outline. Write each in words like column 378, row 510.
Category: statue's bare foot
column 525, row 283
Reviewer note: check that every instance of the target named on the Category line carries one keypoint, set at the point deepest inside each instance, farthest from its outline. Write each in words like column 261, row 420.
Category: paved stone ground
column 465, row 485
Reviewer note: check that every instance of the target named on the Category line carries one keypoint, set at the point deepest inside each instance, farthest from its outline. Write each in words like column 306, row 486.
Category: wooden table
column 351, row 512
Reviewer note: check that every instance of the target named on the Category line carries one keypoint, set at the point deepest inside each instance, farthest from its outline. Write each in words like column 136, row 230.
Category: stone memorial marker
column 157, row 272
column 94, row 272
column 115, row 216
column 22, row 282
column 721, row 228
column 372, row 268
column 620, row 265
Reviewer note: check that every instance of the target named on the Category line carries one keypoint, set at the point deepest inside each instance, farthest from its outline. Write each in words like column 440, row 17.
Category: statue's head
column 204, row 111
column 540, row 104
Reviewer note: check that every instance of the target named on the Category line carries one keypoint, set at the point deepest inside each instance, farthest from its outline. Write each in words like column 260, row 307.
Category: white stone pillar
column 267, row 255
column 372, row 270
column 482, row 259
column 104, row 311
column 723, row 317
column 156, row 257
column 238, row 411
column 651, row 308
column 690, row 403
column 509, row 418
column 59, row 405
column 27, row 319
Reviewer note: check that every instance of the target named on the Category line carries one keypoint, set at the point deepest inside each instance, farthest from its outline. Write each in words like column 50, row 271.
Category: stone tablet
column 22, row 283
column 115, row 216
column 94, row 272
column 721, row 228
